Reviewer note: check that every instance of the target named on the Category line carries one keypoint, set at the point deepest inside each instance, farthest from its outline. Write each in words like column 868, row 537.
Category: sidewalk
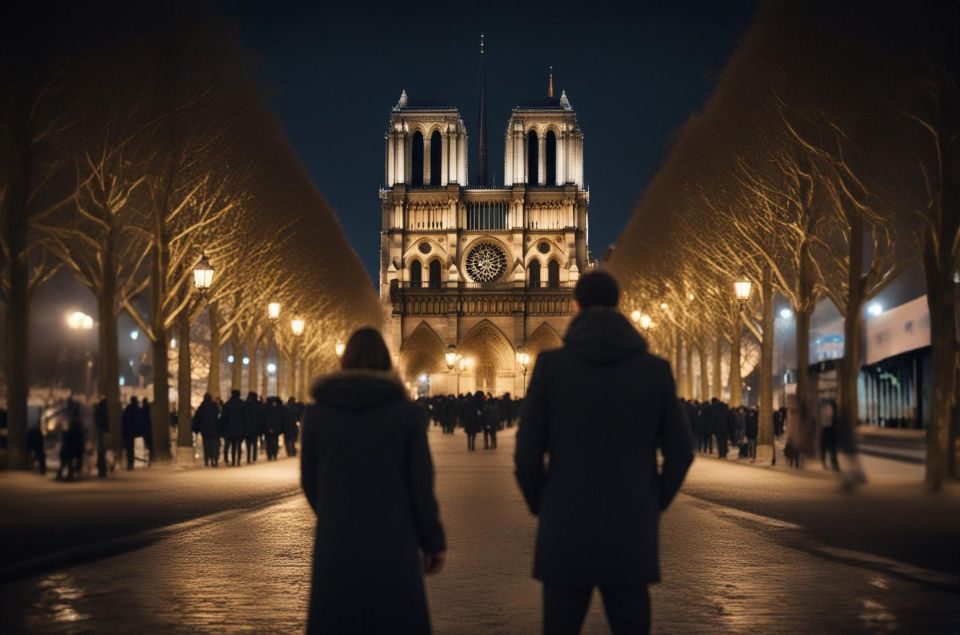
column 41, row 517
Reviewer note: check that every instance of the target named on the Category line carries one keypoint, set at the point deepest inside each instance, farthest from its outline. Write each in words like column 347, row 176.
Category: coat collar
column 358, row 389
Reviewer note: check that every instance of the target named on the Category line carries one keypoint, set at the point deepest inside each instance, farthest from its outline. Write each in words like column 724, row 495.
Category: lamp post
column 297, row 325
column 451, row 358
column 523, row 360
column 203, row 276
column 742, row 288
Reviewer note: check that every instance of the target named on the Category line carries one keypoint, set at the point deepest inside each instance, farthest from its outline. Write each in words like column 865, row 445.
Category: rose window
column 486, row 263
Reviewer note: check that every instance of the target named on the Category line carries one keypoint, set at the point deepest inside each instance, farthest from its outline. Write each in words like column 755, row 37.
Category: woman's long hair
column 366, row 349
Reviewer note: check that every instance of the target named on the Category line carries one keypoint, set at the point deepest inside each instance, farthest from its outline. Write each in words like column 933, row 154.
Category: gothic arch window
column 533, row 158
column 550, row 152
column 436, row 157
column 435, row 274
column 416, row 274
column 534, row 273
column 553, row 274
column 416, row 161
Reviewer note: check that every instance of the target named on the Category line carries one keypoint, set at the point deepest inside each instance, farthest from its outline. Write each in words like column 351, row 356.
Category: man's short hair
column 597, row 288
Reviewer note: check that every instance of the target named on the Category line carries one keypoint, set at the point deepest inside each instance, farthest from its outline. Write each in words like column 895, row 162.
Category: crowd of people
column 246, row 424
column 718, row 426
column 475, row 413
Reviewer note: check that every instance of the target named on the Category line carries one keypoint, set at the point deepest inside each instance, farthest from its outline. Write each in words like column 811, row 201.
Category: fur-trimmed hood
column 358, row 389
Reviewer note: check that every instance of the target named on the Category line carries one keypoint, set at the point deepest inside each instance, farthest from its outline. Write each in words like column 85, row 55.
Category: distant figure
column 490, row 420
column 252, row 425
column 101, row 422
column 206, row 423
column 72, row 445
column 366, row 471
column 128, row 427
column 274, row 415
column 291, row 426
column 600, row 407
column 231, row 427
column 827, row 416
column 145, row 425
column 470, row 414
column 36, row 448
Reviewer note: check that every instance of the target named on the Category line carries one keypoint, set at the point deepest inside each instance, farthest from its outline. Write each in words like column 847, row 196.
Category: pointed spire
column 403, row 100
column 482, row 144
column 550, row 89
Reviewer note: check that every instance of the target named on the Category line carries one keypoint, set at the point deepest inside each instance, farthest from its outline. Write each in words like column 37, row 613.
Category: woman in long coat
column 366, row 471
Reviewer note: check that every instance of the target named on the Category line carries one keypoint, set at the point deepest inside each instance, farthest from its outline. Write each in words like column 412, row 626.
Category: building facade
column 480, row 273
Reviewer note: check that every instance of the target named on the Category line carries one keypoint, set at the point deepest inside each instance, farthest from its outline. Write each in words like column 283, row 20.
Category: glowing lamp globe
column 340, row 348
column 273, row 310
column 203, row 276
column 297, row 325
column 451, row 356
column 645, row 321
column 635, row 316
column 742, row 287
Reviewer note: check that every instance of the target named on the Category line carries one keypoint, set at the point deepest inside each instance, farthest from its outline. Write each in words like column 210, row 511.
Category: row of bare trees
column 824, row 165
column 127, row 154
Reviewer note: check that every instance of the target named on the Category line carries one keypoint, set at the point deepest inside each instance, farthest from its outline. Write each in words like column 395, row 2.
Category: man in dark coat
column 252, row 425
column 599, row 408
column 470, row 408
column 721, row 425
column 231, row 427
column 206, row 421
column 490, row 420
column 274, row 418
column 128, row 428
column 291, row 426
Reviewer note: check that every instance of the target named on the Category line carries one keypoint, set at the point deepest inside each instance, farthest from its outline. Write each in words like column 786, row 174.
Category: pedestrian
column 128, row 427
column 291, row 426
column 490, row 420
column 231, row 427
column 206, row 423
column 752, row 428
column 721, row 423
column 72, row 444
column 252, row 425
column 470, row 414
column 145, row 428
column 827, row 416
column 600, row 407
column 274, row 418
column 36, row 447
column 367, row 473
column 101, row 424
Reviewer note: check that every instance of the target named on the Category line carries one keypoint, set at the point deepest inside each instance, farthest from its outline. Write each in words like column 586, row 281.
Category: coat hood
column 358, row 390
column 603, row 336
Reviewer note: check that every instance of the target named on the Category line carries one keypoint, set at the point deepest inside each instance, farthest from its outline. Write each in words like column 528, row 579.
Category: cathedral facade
column 476, row 280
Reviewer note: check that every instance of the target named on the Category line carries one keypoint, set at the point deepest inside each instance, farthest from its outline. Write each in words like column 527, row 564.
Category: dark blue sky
column 333, row 74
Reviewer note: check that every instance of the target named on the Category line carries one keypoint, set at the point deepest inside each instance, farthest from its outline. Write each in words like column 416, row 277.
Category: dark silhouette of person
column 206, row 421
column 36, row 448
column 490, row 419
column 274, row 417
column 231, row 427
column 72, row 445
column 600, row 407
column 291, row 426
column 101, row 425
column 128, row 428
column 470, row 414
column 252, row 425
column 366, row 471
column 721, row 424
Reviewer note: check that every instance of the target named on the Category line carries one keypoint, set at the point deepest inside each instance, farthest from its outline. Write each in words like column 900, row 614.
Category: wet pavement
column 727, row 567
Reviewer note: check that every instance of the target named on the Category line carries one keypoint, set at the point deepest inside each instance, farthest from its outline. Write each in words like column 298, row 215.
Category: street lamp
column 451, row 356
column 646, row 322
column 273, row 311
column 635, row 316
column 339, row 348
column 203, row 276
column 523, row 359
column 742, row 287
column 79, row 321
column 297, row 325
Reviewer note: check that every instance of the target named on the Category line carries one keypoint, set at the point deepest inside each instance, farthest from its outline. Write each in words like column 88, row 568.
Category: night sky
column 333, row 74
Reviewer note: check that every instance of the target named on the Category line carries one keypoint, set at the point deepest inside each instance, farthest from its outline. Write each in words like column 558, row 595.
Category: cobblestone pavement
column 725, row 570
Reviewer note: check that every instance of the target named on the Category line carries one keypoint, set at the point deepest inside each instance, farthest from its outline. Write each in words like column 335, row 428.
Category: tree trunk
column 765, row 448
column 184, row 391
column 294, row 376
column 281, row 369
column 688, row 383
column 678, row 361
column 252, row 368
column 717, row 366
column 704, row 374
column 852, row 328
column 109, row 354
column 160, row 413
column 802, row 430
column 213, row 379
column 236, row 368
column 736, row 383
column 18, row 330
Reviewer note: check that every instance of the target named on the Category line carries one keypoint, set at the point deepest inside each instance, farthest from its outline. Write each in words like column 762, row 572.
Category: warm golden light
column 297, row 325
column 645, row 321
column 742, row 288
column 451, row 356
column 523, row 359
column 635, row 316
column 273, row 310
column 203, row 276
column 79, row 321
column 339, row 348
column 664, row 306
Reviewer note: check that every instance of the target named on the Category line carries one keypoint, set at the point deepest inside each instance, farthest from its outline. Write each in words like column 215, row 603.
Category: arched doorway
column 493, row 359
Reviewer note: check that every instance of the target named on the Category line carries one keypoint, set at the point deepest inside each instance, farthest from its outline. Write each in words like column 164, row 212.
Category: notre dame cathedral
column 476, row 280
